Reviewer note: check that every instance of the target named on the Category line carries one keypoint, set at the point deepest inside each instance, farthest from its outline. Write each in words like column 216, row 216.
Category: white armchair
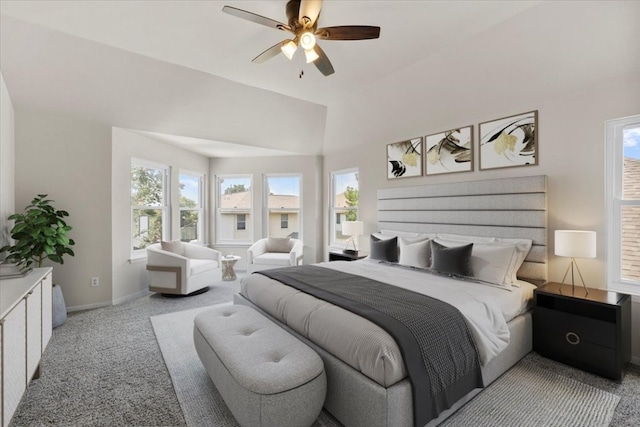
column 183, row 269
column 273, row 252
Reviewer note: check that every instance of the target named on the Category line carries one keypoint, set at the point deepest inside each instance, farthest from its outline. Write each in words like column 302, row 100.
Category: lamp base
column 350, row 252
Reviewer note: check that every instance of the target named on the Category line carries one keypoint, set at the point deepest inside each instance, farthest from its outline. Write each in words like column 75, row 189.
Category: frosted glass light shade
column 307, row 40
column 311, row 55
column 289, row 48
column 575, row 243
column 352, row 228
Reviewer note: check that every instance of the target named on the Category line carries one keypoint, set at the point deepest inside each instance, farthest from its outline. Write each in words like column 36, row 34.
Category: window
column 233, row 224
column 623, row 203
column 282, row 205
column 149, row 204
column 344, row 203
column 191, row 207
column 241, row 222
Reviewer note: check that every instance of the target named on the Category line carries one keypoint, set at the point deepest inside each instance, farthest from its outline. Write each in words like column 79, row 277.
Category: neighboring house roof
column 236, row 200
column 631, row 221
column 279, row 201
column 243, row 201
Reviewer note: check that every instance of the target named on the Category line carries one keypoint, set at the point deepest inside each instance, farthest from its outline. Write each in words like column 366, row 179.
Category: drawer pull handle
column 572, row 338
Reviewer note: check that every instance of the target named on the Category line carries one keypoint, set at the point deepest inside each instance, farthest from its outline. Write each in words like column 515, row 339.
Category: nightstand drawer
column 584, row 355
column 580, row 328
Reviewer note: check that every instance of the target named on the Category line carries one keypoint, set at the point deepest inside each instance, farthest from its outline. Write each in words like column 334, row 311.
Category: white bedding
column 365, row 346
column 486, row 308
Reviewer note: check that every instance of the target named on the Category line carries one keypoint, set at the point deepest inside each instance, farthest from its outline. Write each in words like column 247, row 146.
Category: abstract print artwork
column 450, row 151
column 511, row 141
column 404, row 159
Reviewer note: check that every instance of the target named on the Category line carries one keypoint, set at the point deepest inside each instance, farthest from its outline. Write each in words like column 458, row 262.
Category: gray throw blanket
column 439, row 353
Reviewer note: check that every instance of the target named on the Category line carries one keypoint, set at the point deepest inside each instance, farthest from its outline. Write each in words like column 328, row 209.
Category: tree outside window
column 344, row 203
column 191, row 207
column 148, row 203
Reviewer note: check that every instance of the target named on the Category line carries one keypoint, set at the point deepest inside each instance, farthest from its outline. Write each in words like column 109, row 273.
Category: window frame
column 614, row 182
column 201, row 210
column 164, row 208
column 234, row 242
column 265, row 203
column 333, row 218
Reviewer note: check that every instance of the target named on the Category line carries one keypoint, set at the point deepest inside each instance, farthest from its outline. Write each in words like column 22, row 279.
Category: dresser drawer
column 580, row 328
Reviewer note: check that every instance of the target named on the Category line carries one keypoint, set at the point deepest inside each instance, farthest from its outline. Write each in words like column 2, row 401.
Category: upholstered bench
column 265, row 375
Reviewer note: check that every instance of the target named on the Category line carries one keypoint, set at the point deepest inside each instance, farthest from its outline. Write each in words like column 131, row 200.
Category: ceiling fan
column 302, row 18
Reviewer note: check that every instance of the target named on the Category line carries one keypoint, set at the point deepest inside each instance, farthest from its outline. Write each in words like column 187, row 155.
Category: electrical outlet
column 95, row 281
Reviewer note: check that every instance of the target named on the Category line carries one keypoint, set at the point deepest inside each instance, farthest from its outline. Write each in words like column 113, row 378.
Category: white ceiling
column 181, row 71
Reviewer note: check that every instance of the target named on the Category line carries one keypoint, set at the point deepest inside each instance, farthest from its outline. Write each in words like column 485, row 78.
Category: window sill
column 137, row 260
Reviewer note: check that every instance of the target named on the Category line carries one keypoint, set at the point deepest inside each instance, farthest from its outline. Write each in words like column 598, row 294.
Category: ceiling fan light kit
column 303, row 24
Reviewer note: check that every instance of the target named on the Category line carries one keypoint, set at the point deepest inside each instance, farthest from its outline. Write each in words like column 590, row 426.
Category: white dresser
column 25, row 330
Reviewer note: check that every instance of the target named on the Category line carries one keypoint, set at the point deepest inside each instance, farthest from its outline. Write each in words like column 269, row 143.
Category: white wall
column 130, row 278
column 7, row 164
column 571, row 153
column 311, row 169
column 70, row 160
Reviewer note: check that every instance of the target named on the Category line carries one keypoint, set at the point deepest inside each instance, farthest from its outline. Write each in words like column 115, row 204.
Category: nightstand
column 335, row 255
column 591, row 331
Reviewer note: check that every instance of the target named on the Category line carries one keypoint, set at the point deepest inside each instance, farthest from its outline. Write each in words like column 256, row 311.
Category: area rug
column 526, row 395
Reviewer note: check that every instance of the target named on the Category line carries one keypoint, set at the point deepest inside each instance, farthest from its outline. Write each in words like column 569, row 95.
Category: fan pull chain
column 301, row 74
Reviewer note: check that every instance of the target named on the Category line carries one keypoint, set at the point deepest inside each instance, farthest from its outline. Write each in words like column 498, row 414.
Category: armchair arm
column 295, row 256
column 159, row 258
column 257, row 249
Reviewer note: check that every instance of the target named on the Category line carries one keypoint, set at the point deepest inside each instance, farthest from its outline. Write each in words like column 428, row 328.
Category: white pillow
column 415, row 254
column 523, row 246
column 490, row 262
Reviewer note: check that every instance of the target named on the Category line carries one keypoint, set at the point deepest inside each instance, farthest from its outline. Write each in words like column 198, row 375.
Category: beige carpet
column 527, row 395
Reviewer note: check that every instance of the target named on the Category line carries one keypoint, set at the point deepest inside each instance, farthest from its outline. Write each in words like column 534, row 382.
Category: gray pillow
column 454, row 260
column 384, row 250
column 174, row 246
column 279, row 244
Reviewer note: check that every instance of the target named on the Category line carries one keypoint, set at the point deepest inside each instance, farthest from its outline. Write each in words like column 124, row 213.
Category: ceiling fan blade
column 348, row 32
column 258, row 19
column 269, row 53
column 322, row 63
column 309, row 9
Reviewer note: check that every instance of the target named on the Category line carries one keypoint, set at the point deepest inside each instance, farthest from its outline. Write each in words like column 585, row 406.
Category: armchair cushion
column 259, row 257
column 174, row 246
column 279, row 244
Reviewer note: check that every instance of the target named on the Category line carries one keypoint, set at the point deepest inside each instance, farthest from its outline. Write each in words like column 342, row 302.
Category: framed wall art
column 450, row 151
column 404, row 159
column 511, row 141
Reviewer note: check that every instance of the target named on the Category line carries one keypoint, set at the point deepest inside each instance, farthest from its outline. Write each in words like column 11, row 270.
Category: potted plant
column 41, row 233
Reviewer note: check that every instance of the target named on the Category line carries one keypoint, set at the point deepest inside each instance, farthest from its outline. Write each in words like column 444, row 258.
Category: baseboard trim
column 88, row 306
column 130, row 297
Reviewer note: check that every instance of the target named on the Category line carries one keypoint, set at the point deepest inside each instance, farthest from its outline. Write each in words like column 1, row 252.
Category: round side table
column 228, row 261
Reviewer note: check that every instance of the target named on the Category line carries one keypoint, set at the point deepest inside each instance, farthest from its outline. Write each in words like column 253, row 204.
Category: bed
column 367, row 380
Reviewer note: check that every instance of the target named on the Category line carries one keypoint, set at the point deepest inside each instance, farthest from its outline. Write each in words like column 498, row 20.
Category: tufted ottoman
column 265, row 375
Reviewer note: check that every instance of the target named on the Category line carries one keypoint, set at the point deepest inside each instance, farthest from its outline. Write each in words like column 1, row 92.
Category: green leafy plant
column 40, row 233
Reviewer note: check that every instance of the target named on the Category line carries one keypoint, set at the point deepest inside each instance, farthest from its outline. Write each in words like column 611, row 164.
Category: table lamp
column 575, row 244
column 351, row 229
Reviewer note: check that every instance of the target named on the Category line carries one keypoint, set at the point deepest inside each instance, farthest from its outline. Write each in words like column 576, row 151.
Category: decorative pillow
column 454, row 260
column 174, row 246
column 279, row 244
column 384, row 250
column 415, row 254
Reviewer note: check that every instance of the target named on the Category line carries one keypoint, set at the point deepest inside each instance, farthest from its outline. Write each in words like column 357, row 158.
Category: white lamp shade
column 352, row 228
column 575, row 243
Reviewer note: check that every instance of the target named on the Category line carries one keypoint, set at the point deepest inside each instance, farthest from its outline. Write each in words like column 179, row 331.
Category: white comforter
column 365, row 346
column 486, row 308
